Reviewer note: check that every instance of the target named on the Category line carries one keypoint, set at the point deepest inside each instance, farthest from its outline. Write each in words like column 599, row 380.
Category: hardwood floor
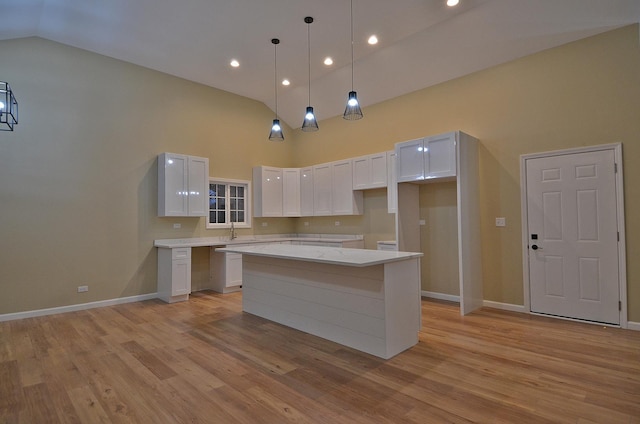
column 204, row 361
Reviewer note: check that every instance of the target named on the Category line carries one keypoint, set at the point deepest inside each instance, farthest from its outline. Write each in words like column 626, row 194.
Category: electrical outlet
column 264, row 224
column 306, row 223
column 176, row 226
column 423, row 222
column 82, row 289
column 337, row 223
column 501, row 222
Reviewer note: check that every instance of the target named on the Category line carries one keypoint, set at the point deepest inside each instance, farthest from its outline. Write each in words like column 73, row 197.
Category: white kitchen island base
column 372, row 305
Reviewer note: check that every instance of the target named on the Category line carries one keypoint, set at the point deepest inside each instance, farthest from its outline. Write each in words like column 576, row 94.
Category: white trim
column 78, row 307
column 247, row 204
column 635, row 326
column 440, row 296
column 622, row 253
column 505, row 306
column 583, row 321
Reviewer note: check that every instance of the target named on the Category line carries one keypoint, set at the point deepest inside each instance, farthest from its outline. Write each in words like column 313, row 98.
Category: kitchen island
column 368, row 300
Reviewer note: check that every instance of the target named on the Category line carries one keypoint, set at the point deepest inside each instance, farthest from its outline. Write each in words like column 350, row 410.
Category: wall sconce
column 8, row 108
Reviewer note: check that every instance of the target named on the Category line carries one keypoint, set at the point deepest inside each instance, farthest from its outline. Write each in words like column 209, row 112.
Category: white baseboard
column 78, row 307
column 504, row 306
column 633, row 325
column 440, row 296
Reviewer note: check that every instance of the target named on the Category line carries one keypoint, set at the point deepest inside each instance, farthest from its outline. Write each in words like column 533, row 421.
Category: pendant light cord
column 309, row 56
column 351, row 45
column 275, row 79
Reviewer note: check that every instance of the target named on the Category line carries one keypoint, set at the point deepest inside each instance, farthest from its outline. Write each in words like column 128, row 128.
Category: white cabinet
column 306, row 191
column 440, row 155
column 291, row 192
column 182, row 185
column 225, row 271
column 370, row 171
column 322, row 189
column 392, row 183
column 427, row 158
column 174, row 274
column 267, row 191
column 344, row 200
column 439, row 161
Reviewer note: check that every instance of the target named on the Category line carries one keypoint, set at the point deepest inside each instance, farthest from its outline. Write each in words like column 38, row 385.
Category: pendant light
column 352, row 112
column 309, row 123
column 276, row 129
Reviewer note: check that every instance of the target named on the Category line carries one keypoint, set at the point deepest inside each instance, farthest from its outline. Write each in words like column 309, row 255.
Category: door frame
column 622, row 256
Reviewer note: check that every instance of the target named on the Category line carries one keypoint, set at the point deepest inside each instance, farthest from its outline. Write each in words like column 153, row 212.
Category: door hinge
column 615, row 168
column 618, row 235
column 619, row 305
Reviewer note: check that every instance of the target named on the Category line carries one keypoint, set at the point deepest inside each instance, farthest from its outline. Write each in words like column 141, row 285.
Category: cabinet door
column 361, row 172
column 172, row 184
column 440, row 156
column 306, row 191
column 267, row 191
column 378, row 170
column 291, row 192
column 181, row 276
column 344, row 201
column 392, row 185
column 410, row 160
column 233, row 267
column 198, row 183
column 369, row 171
column 322, row 189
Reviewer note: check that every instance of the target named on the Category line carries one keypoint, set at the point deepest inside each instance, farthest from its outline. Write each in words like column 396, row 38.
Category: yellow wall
column 78, row 177
column 581, row 94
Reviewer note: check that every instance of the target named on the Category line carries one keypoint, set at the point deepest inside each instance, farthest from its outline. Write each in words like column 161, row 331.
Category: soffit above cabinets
column 422, row 42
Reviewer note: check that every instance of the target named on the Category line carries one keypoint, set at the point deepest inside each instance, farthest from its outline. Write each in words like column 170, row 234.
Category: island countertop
column 321, row 254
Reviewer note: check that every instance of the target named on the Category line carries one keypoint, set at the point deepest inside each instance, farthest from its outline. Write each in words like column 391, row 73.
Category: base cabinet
column 225, row 271
column 174, row 274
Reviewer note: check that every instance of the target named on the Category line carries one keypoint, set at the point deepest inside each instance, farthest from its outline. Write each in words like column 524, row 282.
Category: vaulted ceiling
column 421, row 42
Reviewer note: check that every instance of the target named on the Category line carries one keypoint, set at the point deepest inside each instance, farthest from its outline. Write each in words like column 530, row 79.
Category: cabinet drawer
column 181, row 253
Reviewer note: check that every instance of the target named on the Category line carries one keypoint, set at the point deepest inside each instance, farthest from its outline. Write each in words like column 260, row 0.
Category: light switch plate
column 501, row 222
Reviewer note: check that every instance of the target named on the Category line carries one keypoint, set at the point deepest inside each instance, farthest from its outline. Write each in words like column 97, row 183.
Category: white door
column 573, row 235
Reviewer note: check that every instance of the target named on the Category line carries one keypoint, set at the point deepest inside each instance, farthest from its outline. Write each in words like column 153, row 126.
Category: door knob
column 535, row 247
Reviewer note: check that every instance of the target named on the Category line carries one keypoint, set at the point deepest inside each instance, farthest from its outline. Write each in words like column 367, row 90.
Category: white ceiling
column 422, row 42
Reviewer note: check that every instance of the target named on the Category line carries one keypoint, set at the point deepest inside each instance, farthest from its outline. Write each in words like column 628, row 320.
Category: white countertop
column 321, row 254
column 225, row 241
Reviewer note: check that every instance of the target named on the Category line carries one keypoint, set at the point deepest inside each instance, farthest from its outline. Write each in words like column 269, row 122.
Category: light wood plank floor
column 204, row 361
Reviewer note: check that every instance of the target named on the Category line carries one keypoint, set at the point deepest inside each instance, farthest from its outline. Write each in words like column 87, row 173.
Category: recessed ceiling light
column 234, row 63
column 286, row 82
column 328, row 61
column 452, row 3
column 372, row 40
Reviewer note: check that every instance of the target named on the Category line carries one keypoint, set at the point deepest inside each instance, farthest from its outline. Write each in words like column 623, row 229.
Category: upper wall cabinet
column 291, row 192
column 182, row 185
column 392, row 183
column 370, row 171
column 322, row 189
column 344, row 200
column 427, row 158
column 306, row 191
column 267, row 191
column 333, row 192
